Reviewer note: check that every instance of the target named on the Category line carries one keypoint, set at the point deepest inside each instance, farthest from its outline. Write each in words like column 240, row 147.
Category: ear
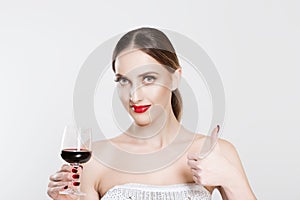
column 176, row 76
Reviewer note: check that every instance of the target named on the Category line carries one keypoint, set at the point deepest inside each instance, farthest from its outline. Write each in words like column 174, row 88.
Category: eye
column 123, row 81
column 149, row 79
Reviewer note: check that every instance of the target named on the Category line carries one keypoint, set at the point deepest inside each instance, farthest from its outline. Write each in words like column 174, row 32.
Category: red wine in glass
column 76, row 156
column 76, row 150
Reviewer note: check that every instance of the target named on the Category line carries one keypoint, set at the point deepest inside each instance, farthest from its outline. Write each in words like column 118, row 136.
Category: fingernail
column 75, row 176
column 74, row 170
column 76, row 183
column 218, row 128
column 66, row 187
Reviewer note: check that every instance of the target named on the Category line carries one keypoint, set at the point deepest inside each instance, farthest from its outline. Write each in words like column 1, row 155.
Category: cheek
column 123, row 93
column 159, row 95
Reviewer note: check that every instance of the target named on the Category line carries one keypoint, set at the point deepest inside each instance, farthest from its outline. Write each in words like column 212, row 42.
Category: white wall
column 254, row 45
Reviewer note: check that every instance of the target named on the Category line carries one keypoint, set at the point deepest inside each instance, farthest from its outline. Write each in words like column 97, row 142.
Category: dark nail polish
column 76, row 183
column 75, row 176
column 66, row 187
column 218, row 128
column 74, row 170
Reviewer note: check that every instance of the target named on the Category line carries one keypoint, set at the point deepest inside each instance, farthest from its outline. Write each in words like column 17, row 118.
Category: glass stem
column 75, row 176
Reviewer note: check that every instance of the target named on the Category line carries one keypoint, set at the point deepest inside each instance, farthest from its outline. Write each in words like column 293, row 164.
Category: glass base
column 73, row 192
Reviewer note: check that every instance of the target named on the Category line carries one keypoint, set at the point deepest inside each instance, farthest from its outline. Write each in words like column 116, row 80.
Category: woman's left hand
column 214, row 168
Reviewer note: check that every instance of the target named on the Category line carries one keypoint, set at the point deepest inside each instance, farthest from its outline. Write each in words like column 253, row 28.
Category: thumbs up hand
column 218, row 164
column 209, row 167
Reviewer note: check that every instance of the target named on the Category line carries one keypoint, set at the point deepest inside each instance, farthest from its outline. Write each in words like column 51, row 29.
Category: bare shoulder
column 230, row 153
column 227, row 148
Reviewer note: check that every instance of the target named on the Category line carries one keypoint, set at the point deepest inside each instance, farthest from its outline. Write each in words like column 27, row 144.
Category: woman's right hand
column 60, row 181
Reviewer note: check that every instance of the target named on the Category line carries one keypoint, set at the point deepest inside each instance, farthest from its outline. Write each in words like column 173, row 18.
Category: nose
column 135, row 94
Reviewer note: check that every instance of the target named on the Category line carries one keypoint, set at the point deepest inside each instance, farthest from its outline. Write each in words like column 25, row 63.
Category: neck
column 158, row 134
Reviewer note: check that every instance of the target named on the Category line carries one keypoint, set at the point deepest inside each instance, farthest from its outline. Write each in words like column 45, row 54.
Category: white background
column 255, row 46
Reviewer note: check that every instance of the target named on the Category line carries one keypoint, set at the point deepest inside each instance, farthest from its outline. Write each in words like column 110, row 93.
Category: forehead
column 135, row 62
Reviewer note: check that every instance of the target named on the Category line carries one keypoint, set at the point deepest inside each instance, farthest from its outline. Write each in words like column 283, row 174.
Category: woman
column 147, row 74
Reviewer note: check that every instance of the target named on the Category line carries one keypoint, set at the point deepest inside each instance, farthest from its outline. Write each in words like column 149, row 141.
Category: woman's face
column 144, row 86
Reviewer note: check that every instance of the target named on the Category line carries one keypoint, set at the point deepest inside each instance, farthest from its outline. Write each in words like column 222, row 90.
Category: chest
column 177, row 172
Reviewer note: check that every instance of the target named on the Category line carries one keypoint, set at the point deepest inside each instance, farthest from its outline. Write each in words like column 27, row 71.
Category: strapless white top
column 136, row 191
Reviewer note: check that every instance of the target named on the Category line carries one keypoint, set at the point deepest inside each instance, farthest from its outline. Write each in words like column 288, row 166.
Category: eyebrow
column 141, row 75
column 146, row 73
column 118, row 77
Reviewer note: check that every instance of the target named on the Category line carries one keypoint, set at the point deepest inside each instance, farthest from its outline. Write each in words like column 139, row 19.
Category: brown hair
column 156, row 44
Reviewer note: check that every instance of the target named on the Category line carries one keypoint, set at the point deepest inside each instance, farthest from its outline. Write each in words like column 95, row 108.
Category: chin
column 142, row 121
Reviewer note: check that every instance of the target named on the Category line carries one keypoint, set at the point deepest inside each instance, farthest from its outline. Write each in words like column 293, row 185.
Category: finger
column 65, row 168
column 61, row 176
column 54, row 192
column 196, row 172
column 196, row 180
column 193, row 164
column 58, row 184
column 192, row 156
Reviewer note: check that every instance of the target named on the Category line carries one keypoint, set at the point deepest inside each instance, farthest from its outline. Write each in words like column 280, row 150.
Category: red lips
column 140, row 109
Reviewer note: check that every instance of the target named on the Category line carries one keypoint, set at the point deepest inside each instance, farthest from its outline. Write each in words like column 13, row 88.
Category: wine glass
column 76, row 149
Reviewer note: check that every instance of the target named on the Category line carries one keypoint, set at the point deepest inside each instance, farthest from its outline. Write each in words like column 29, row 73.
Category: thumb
column 214, row 137
column 210, row 143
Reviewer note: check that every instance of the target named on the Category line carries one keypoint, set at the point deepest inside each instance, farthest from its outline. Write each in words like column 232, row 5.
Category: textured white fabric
column 136, row 191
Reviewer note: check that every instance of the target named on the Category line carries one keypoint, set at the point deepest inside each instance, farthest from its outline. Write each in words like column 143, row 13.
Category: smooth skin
column 221, row 169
